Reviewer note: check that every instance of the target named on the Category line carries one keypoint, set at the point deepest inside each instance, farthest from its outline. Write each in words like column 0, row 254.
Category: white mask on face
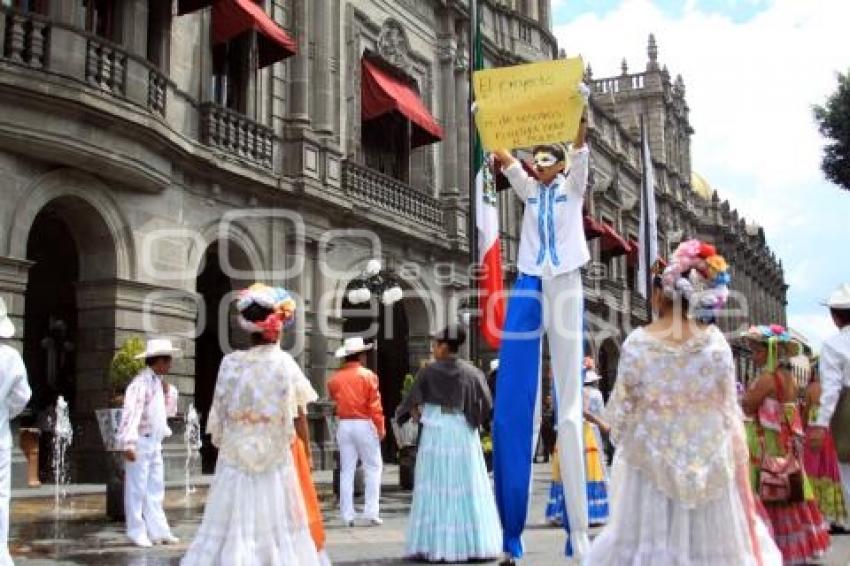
column 544, row 159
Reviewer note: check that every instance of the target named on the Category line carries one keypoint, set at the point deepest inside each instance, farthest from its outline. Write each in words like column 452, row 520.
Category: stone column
column 463, row 132
column 449, row 147
column 65, row 12
column 325, row 28
column 299, row 105
column 131, row 29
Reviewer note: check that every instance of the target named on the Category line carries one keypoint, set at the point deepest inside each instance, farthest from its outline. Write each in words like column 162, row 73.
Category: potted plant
column 406, row 436
column 122, row 370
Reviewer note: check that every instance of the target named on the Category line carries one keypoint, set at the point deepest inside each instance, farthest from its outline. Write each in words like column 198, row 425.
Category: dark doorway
column 50, row 320
column 390, row 358
column 213, row 285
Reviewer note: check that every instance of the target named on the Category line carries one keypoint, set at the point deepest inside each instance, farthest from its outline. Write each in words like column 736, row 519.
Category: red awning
column 232, row 18
column 612, row 242
column 592, row 228
column 632, row 255
column 187, row 6
column 382, row 93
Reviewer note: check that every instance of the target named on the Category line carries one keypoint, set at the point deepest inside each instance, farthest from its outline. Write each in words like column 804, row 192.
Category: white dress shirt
column 552, row 241
column 834, row 371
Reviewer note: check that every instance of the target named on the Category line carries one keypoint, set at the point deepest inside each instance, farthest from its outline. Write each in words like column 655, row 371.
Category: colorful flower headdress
column 278, row 300
column 698, row 274
column 778, row 341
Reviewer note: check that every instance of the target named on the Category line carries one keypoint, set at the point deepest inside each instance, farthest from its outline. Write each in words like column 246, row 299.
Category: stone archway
column 218, row 330
column 69, row 319
column 400, row 333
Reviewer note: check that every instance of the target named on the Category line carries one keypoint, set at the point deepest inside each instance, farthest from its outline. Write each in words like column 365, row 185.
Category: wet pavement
column 80, row 533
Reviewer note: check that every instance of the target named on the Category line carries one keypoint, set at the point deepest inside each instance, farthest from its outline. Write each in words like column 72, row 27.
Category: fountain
column 192, row 438
column 63, row 434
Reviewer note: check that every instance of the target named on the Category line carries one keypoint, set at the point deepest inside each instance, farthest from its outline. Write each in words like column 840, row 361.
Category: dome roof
column 701, row 186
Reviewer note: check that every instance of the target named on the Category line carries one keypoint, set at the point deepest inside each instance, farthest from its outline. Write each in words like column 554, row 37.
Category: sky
column 752, row 71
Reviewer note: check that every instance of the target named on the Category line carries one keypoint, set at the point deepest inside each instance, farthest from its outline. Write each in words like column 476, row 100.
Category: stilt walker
column 547, row 297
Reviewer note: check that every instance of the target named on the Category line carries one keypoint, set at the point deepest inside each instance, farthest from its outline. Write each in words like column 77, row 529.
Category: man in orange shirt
column 354, row 389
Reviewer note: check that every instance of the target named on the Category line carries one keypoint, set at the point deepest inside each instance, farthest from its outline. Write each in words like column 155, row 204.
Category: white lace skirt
column 648, row 528
column 253, row 520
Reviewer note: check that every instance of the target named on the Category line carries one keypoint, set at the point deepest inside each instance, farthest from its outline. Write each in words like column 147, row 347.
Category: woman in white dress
column 255, row 513
column 680, row 490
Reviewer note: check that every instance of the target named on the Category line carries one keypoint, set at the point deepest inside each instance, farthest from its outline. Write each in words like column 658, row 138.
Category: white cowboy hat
column 353, row 345
column 158, row 347
column 7, row 329
column 840, row 298
column 591, row 376
column 494, row 364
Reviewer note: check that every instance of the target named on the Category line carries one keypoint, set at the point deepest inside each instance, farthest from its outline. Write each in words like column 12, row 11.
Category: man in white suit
column 147, row 403
column 14, row 394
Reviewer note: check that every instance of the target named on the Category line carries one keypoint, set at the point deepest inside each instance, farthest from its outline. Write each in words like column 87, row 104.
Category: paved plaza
column 81, row 535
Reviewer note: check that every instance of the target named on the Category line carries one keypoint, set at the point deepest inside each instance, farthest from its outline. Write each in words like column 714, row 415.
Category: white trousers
column 144, row 491
column 358, row 440
column 5, row 494
column 563, row 318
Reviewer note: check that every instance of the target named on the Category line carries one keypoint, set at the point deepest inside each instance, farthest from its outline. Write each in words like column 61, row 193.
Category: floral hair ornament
column 777, row 339
column 698, row 274
column 276, row 299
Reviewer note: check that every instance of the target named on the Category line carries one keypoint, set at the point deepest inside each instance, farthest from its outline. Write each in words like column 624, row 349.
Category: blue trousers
column 536, row 305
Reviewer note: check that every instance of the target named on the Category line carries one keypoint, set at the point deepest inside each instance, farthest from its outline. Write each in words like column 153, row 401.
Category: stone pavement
column 81, row 534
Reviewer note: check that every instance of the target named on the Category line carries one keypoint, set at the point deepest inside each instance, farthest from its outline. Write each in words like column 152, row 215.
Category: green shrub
column 124, row 365
column 407, row 384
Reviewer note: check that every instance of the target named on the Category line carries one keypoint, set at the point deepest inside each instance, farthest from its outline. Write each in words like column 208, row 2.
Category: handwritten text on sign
column 526, row 105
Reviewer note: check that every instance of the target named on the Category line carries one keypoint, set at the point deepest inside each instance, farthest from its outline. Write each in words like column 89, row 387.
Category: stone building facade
column 153, row 159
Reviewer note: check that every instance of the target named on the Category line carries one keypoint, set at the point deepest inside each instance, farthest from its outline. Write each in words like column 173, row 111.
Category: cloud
column 751, row 82
column 817, row 326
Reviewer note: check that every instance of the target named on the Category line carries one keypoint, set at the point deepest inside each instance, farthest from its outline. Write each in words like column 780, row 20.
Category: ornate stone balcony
column 391, row 195
column 23, row 38
column 234, row 133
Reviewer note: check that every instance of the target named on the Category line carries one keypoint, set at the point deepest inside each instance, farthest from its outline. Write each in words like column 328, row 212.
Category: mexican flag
column 491, row 297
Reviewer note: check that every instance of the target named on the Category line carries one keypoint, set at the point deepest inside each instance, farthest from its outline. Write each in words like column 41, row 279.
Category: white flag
column 648, row 238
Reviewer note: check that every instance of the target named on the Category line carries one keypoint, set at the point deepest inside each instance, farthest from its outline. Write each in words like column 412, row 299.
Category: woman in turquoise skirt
column 454, row 516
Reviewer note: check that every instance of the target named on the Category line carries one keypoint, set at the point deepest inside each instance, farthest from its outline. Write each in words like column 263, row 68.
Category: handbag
column 781, row 477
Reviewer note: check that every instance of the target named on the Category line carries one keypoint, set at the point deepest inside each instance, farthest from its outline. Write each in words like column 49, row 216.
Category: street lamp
column 374, row 282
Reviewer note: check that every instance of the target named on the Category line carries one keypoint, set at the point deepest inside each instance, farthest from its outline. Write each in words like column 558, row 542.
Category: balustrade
column 106, row 67
column 157, row 92
column 23, row 38
column 234, row 133
column 391, row 195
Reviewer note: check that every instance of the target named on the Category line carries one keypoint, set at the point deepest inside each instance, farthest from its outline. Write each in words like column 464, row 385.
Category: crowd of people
column 704, row 472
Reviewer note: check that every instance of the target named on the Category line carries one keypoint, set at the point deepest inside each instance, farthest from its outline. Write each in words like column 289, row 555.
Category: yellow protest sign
column 531, row 104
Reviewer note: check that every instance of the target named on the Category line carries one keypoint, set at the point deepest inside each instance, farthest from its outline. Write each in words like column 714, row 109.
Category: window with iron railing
column 386, row 145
